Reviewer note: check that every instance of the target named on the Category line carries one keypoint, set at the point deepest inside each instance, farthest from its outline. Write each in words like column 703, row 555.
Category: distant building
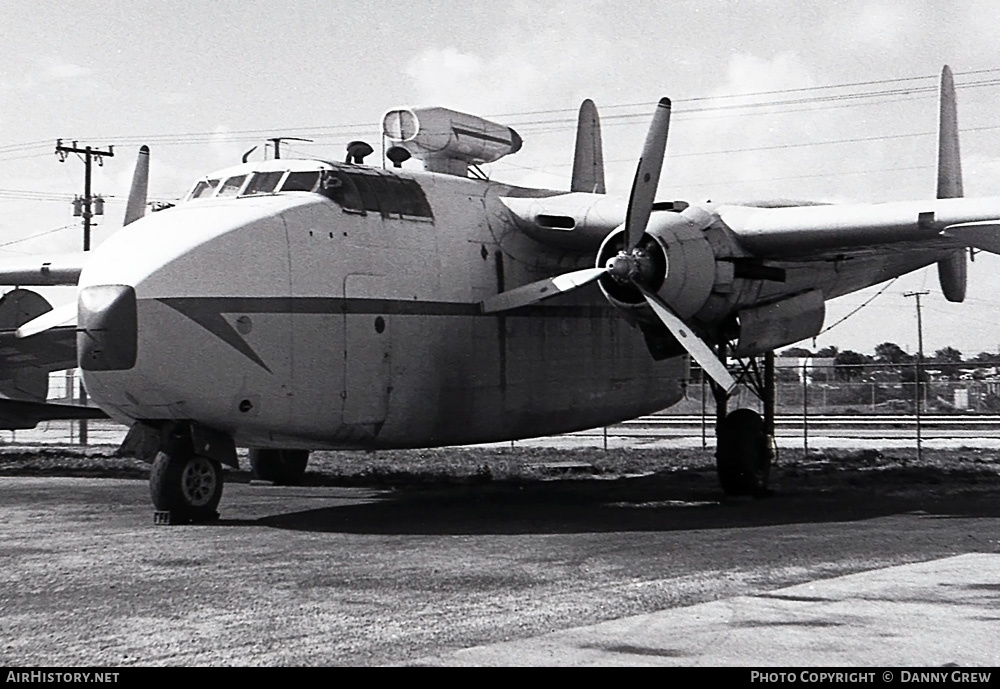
column 807, row 366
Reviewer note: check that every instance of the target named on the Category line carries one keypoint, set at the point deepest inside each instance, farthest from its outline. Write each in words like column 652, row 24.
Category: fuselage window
column 386, row 194
column 367, row 190
column 412, row 200
column 204, row 188
column 340, row 189
column 232, row 186
column 300, row 181
column 263, row 183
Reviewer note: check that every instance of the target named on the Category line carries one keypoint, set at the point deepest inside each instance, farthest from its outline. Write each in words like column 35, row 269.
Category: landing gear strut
column 745, row 444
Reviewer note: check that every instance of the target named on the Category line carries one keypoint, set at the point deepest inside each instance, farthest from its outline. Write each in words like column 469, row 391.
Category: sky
column 826, row 101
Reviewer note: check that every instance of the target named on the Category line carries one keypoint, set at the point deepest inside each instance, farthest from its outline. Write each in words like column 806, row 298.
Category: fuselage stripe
column 207, row 312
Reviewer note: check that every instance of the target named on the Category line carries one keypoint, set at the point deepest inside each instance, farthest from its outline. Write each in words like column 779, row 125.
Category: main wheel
column 282, row 467
column 743, row 454
column 186, row 485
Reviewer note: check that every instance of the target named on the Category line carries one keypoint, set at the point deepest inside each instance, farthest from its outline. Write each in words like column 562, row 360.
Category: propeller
column 632, row 265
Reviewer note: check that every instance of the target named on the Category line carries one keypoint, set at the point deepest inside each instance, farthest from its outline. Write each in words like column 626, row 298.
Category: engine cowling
column 676, row 259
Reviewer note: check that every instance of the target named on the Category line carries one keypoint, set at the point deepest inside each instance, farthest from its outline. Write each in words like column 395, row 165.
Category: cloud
column 468, row 82
column 45, row 70
column 883, row 23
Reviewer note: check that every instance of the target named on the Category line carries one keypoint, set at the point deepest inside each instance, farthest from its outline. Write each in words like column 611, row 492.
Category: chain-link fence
column 872, row 389
column 803, row 394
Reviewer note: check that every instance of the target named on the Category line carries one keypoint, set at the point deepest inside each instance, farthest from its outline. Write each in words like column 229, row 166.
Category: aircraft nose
column 107, row 336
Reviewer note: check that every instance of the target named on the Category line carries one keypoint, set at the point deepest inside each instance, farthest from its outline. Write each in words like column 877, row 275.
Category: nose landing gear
column 186, row 479
column 185, row 487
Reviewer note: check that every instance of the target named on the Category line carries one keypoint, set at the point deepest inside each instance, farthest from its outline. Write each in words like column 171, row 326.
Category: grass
column 503, row 464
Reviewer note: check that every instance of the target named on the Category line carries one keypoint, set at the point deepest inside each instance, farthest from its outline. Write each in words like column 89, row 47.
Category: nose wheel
column 185, row 487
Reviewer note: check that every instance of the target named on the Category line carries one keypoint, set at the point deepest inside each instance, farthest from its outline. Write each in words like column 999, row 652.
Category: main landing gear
column 745, row 446
column 281, row 467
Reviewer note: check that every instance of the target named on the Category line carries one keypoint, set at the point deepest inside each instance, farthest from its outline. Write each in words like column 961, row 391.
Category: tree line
column 851, row 365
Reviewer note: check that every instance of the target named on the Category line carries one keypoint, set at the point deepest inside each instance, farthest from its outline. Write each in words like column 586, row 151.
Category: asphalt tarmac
column 649, row 570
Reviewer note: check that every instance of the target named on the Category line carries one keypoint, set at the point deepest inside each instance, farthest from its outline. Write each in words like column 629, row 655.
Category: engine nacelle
column 679, row 264
column 447, row 140
column 767, row 327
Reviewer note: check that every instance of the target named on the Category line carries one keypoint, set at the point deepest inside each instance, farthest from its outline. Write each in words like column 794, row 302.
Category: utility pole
column 920, row 356
column 88, row 154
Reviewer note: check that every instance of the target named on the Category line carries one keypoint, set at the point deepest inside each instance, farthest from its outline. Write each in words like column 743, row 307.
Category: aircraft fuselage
column 292, row 320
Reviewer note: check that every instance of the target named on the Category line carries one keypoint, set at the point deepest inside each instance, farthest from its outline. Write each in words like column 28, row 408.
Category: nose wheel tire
column 743, row 454
column 281, row 467
column 186, row 485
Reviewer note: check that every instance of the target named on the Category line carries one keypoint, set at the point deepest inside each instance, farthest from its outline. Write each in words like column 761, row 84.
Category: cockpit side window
column 300, row 181
column 204, row 188
column 263, row 183
column 231, row 186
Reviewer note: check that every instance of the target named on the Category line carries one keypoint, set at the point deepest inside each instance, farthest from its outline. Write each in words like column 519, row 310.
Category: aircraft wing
column 57, row 269
column 53, row 349
column 806, row 232
column 23, row 414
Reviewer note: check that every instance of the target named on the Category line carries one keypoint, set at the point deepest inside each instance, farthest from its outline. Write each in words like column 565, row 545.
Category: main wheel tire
column 186, row 485
column 281, row 467
column 743, row 455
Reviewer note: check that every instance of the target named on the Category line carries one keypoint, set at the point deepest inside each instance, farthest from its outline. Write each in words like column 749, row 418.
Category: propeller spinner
column 631, row 265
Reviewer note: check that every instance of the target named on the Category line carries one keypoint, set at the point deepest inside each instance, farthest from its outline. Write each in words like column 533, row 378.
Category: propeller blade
column 64, row 315
column 136, row 207
column 647, row 175
column 695, row 346
column 543, row 289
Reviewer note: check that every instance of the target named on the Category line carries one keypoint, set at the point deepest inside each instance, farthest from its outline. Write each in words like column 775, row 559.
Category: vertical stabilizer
column 949, row 184
column 136, row 206
column 588, row 161
column 952, row 271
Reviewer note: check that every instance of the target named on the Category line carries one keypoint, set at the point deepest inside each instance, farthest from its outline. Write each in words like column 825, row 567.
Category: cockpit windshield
column 231, row 186
column 263, row 183
column 356, row 189
column 204, row 188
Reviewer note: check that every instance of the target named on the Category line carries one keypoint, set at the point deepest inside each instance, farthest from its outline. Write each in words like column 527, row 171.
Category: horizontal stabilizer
column 981, row 235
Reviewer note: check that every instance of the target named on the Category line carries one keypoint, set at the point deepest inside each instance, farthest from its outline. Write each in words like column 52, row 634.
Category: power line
column 36, row 236
column 323, row 132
